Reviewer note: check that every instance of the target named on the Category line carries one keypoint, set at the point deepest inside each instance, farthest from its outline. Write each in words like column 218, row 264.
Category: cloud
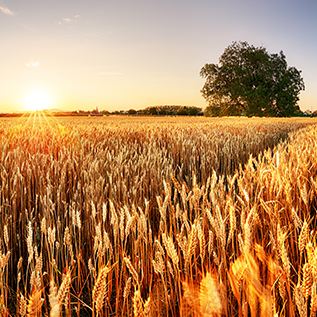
column 7, row 11
column 32, row 64
column 69, row 20
column 27, row 27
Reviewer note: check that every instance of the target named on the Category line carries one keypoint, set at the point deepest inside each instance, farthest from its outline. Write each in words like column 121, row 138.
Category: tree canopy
column 250, row 81
column 173, row 110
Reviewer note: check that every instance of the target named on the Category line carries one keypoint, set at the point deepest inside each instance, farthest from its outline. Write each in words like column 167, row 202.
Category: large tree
column 248, row 80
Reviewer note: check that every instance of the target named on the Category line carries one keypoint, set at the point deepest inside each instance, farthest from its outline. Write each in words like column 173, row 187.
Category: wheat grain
column 281, row 286
column 303, row 237
column 35, row 303
column 22, row 306
column 170, row 249
column 29, row 241
column 67, row 237
column 64, row 288
column 131, row 269
column 307, row 282
column 100, row 288
column 6, row 235
column 127, row 288
column 313, row 303
column 299, row 300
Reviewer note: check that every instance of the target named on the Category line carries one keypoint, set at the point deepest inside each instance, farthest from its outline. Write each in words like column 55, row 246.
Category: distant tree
column 182, row 112
column 171, row 110
column 248, row 80
column 193, row 111
column 152, row 110
column 132, row 111
column 162, row 112
column 299, row 113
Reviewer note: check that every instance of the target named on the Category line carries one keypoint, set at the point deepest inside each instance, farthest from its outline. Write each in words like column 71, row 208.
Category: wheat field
column 143, row 216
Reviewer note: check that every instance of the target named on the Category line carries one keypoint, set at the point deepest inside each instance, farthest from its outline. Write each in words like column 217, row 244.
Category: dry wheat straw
column 54, row 302
column 22, row 306
column 307, row 282
column 64, row 288
column 138, row 309
column 303, row 237
column 300, row 302
column 159, row 179
column 99, row 290
column 132, row 270
column 35, row 303
column 170, row 249
column 127, row 288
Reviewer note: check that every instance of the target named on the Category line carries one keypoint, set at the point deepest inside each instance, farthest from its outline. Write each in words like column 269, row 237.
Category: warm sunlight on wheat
column 157, row 217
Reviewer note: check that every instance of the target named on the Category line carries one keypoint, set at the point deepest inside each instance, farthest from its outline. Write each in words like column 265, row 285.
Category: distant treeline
column 168, row 110
column 176, row 110
column 11, row 114
column 161, row 110
column 171, row 110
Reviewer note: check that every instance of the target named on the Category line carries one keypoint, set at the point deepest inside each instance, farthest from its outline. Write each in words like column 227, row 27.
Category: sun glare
column 37, row 100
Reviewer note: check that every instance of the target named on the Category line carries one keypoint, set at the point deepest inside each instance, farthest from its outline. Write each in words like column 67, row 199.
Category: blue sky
column 125, row 54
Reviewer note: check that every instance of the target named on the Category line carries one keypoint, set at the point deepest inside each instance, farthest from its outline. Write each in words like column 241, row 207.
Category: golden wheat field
column 140, row 216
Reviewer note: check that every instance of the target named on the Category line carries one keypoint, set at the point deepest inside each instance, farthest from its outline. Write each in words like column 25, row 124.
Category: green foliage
column 172, row 110
column 182, row 112
column 193, row 111
column 152, row 110
column 162, row 112
column 250, row 81
column 132, row 111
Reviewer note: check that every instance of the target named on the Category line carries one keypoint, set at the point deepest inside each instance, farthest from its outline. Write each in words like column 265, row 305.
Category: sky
column 131, row 54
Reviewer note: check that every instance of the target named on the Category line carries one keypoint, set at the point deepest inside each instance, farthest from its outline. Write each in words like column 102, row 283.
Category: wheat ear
column 35, row 303
column 99, row 291
column 64, row 288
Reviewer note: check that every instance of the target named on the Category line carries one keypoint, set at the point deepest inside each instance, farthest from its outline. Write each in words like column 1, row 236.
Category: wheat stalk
column 100, row 288
column 303, row 237
column 170, row 249
column 300, row 302
column 64, row 288
column 307, row 282
column 131, row 269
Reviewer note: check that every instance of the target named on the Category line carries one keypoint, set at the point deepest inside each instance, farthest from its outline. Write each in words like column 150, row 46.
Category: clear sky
column 123, row 54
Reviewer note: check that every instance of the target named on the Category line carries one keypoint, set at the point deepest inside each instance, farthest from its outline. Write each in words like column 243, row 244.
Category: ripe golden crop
column 123, row 216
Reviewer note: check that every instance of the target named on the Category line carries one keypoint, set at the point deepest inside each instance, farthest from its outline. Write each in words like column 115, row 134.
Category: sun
column 37, row 100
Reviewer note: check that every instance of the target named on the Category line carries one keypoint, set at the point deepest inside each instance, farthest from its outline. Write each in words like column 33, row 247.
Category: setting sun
column 37, row 100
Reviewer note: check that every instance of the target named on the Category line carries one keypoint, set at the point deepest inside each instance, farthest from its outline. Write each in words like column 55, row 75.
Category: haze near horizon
column 132, row 54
